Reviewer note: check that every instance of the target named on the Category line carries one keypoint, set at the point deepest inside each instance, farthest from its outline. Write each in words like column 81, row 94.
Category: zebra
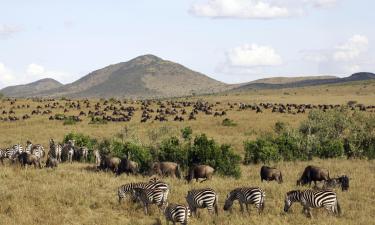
column 11, row 153
column 68, row 150
column 202, row 198
column 36, row 150
column 55, row 150
column 152, row 184
column 342, row 182
column 151, row 196
column 177, row 213
column 246, row 195
column 313, row 199
column 97, row 158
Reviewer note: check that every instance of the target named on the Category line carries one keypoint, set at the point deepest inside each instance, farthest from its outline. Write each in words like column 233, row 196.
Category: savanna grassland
column 77, row 194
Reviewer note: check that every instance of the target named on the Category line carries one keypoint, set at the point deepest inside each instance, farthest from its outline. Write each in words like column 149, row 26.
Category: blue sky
column 229, row 40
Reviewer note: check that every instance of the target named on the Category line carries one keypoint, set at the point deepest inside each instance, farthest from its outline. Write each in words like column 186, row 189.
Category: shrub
column 228, row 123
column 69, row 121
column 172, row 150
column 220, row 157
column 261, row 150
column 186, row 133
column 331, row 149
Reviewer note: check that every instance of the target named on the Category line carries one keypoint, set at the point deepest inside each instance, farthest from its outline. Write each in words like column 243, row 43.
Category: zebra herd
column 156, row 192
column 34, row 153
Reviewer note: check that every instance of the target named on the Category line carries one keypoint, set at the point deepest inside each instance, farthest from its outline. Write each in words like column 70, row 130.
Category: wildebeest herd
column 156, row 191
column 150, row 110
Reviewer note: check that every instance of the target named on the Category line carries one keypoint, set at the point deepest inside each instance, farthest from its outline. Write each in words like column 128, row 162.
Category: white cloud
column 247, row 9
column 352, row 49
column 35, row 69
column 32, row 73
column 7, row 31
column 323, row 3
column 348, row 57
column 6, row 75
column 253, row 55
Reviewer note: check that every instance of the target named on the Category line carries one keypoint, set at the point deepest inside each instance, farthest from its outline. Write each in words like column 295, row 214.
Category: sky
column 229, row 40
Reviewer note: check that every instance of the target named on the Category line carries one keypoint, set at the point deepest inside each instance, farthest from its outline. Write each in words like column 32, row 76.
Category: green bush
column 220, row 157
column 228, row 123
column 331, row 149
column 186, row 133
column 172, row 150
column 261, row 150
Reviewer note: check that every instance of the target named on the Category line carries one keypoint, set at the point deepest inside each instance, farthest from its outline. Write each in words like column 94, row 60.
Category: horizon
column 233, row 41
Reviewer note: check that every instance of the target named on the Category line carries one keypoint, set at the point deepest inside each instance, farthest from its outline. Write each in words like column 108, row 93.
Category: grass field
column 75, row 194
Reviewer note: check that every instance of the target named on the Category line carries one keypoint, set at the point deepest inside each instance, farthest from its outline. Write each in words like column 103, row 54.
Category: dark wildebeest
column 127, row 166
column 29, row 159
column 166, row 169
column 313, row 173
column 111, row 163
column 51, row 162
column 342, row 182
column 200, row 171
column 269, row 173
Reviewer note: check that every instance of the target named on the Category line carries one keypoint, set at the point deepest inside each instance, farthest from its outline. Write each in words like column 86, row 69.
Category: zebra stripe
column 246, row 195
column 38, row 151
column 177, row 213
column 150, row 196
column 55, row 150
column 2, row 155
column 12, row 152
column 129, row 188
column 202, row 198
column 313, row 199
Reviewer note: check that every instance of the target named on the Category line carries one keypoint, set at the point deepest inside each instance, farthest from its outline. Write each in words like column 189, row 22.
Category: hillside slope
column 31, row 89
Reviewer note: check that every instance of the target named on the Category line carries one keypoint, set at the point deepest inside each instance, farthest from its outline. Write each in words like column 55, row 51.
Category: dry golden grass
column 75, row 194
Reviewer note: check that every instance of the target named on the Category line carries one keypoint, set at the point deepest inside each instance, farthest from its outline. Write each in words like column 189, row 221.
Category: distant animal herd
column 150, row 110
column 156, row 191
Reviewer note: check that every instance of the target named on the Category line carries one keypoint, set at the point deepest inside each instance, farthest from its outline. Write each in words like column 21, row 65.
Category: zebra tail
column 216, row 205
column 338, row 208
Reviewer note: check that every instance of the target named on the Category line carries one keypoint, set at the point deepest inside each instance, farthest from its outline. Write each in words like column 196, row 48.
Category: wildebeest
column 270, row 173
column 110, row 162
column 342, row 182
column 127, row 166
column 200, row 171
column 51, row 162
column 166, row 169
column 313, row 173
column 29, row 159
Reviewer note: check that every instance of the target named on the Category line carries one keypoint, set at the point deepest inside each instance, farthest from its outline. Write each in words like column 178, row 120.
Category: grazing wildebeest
column 29, row 159
column 313, row 173
column 127, row 166
column 342, row 182
column 200, row 171
column 51, row 162
column 110, row 162
column 270, row 173
column 166, row 169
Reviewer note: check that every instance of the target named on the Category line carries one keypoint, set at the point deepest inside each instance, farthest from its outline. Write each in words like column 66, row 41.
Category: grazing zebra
column 11, row 153
column 151, row 196
column 246, row 195
column 342, row 182
column 177, row 213
column 152, row 184
column 313, row 199
column 55, row 149
column 97, row 158
column 202, row 198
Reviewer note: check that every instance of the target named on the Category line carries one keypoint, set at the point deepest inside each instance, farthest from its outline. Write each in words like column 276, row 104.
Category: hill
column 306, row 82
column 31, row 89
column 145, row 76
column 284, row 80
